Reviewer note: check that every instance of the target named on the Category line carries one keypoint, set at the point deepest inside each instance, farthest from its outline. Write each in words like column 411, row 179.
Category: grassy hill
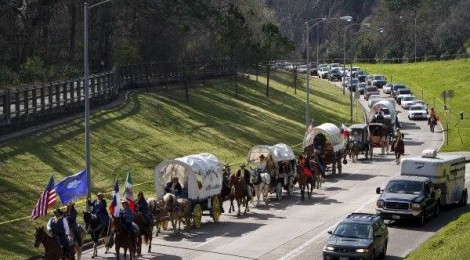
column 149, row 128
column 428, row 80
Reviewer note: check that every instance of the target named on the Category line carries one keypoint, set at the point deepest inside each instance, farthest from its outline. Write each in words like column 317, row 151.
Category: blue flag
column 72, row 187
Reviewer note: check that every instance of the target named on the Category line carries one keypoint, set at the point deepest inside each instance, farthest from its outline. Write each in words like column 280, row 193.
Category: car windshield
column 416, row 108
column 379, row 78
column 371, row 89
column 407, row 187
column 354, row 81
column 409, row 98
column 353, row 230
column 395, row 87
column 405, row 91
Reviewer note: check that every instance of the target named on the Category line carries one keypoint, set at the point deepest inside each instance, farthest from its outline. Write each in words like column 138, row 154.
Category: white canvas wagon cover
column 199, row 174
column 331, row 132
column 279, row 152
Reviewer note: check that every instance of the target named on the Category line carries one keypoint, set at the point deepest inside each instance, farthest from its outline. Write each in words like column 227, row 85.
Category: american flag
column 47, row 199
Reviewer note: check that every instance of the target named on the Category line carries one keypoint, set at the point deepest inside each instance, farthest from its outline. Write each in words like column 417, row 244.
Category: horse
column 122, row 239
column 97, row 230
column 53, row 250
column 398, row 146
column 261, row 182
column 305, row 181
column 179, row 209
column 145, row 232
column 160, row 215
column 432, row 123
column 238, row 193
column 353, row 150
column 225, row 192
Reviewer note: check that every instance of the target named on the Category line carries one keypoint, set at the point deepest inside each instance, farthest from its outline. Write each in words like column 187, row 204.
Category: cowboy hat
column 124, row 202
column 99, row 194
column 262, row 156
column 58, row 212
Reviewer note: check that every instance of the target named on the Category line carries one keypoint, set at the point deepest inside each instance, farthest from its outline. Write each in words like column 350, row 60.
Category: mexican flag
column 128, row 194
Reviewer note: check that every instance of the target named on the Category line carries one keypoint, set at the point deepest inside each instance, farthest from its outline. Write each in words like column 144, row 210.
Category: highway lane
column 294, row 229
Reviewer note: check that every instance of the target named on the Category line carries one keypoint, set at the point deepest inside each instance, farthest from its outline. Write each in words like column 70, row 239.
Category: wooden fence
column 31, row 105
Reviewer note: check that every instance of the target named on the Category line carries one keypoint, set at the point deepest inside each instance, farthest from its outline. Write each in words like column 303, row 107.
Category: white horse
column 261, row 182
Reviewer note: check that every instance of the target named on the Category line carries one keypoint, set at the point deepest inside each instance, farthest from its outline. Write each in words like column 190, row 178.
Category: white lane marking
column 302, row 247
column 211, row 240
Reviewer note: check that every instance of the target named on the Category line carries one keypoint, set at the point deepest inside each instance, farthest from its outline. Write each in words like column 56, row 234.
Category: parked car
column 407, row 101
column 359, row 236
column 352, row 84
column 396, row 87
column 302, row 68
column 323, row 73
column 361, row 75
column 372, row 98
column 334, row 74
column 361, row 87
column 371, row 90
column 417, row 112
column 379, row 81
column 345, row 82
column 369, row 79
column 400, row 93
column 387, row 88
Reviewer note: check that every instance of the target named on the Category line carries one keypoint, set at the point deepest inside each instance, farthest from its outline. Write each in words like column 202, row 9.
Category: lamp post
column 350, row 71
column 86, row 92
column 307, row 28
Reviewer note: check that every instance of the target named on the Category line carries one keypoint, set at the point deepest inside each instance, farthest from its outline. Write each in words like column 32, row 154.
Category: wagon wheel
column 215, row 209
column 290, row 189
column 279, row 191
column 197, row 216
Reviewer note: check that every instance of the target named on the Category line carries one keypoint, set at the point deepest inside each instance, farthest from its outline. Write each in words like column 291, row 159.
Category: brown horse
column 398, row 146
column 305, row 182
column 160, row 215
column 122, row 239
column 52, row 248
column 225, row 192
column 238, row 193
column 145, row 232
column 179, row 209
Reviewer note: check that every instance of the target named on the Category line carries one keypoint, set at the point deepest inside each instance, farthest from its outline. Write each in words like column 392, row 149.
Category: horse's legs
column 238, row 204
column 231, row 206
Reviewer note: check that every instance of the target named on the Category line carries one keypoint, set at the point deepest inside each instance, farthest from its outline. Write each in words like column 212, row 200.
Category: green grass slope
column 149, row 128
column 428, row 80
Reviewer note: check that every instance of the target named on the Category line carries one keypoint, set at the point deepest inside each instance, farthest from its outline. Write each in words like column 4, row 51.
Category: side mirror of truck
column 378, row 190
column 330, row 232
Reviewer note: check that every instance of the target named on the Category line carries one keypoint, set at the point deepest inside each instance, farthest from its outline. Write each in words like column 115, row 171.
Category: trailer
column 446, row 171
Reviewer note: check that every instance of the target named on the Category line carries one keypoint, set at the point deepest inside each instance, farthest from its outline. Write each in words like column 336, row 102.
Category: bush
column 33, row 71
column 7, row 77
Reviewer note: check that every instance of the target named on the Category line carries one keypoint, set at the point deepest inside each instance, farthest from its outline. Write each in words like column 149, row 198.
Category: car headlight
column 380, row 204
column 362, row 250
column 416, row 206
column 329, row 248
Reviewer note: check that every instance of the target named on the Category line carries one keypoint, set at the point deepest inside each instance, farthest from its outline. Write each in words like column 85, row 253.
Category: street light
column 350, row 71
column 86, row 91
column 308, row 27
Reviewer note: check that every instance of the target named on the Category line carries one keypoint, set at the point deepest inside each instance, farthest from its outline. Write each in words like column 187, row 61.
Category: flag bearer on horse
column 128, row 217
column 58, row 227
column 141, row 206
column 99, row 208
column 71, row 216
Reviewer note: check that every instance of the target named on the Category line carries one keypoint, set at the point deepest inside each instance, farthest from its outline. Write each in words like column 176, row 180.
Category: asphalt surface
column 295, row 229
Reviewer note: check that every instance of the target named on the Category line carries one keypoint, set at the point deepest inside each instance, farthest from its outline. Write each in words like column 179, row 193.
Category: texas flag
column 128, row 194
column 114, row 207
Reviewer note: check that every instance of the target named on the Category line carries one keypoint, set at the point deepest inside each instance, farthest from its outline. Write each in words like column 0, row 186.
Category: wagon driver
column 261, row 164
column 174, row 187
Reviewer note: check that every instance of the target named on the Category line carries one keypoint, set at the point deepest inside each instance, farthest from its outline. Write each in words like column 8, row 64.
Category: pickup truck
column 409, row 198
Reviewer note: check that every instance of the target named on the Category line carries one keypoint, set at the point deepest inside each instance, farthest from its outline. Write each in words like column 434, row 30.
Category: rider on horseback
column 244, row 175
column 128, row 217
column 99, row 208
column 71, row 216
column 58, row 228
column 141, row 206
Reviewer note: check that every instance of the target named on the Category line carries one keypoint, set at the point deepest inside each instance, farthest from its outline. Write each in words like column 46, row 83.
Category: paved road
column 292, row 229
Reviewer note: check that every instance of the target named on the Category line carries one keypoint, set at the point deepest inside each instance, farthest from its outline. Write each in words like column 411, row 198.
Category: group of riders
column 64, row 228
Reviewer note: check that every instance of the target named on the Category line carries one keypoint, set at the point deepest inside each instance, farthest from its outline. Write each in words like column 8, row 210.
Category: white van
column 446, row 171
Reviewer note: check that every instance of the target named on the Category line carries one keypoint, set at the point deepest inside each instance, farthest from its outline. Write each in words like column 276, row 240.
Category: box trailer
column 446, row 171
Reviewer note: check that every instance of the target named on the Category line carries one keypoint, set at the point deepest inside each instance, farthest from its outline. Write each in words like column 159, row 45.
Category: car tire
column 421, row 220
column 437, row 210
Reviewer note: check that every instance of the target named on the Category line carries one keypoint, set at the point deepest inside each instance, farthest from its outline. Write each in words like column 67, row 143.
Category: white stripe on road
column 211, row 240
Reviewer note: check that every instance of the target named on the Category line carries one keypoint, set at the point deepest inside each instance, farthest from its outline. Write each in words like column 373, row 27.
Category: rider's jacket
column 58, row 227
column 142, row 206
column 127, row 214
